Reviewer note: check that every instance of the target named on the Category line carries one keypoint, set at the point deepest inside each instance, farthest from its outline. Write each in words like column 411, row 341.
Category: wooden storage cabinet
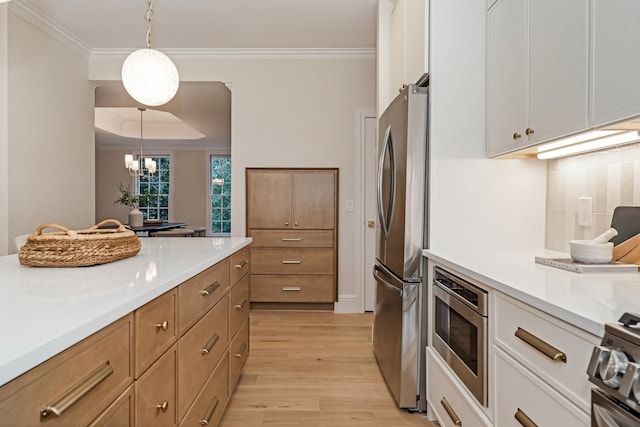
column 105, row 354
column 199, row 352
column 156, row 394
column 212, row 401
column 238, row 305
column 292, row 217
column 521, row 394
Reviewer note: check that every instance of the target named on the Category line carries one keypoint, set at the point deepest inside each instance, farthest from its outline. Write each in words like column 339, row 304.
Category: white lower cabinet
column 451, row 404
column 523, row 399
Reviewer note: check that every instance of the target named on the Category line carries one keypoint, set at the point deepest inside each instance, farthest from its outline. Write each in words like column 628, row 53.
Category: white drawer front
column 521, row 394
column 575, row 345
column 443, row 392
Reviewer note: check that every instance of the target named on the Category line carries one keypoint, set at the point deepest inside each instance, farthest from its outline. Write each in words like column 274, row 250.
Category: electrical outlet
column 584, row 211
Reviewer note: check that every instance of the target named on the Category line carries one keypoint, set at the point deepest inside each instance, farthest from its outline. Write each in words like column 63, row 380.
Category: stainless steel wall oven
column 460, row 329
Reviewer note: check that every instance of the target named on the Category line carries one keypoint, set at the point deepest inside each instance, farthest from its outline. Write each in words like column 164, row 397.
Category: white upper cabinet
column 616, row 61
column 537, row 72
column 403, row 43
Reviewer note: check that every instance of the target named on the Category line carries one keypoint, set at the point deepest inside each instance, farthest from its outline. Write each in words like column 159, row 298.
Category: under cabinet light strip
column 596, row 144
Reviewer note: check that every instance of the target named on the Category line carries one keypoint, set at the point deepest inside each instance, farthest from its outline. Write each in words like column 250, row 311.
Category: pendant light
column 135, row 166
column 148, row 75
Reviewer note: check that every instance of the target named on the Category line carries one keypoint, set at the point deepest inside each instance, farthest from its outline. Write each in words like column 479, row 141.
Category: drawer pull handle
column 292, row 288
column 547, row 349
column 210, row 289
column 243, row 347
column 452, row 414
column 207, row 348
column 163, row 406
column 241, row 264
column 207, row 418
column 291, row 261
column 291, row 239
column 164, row 325
column 239, row 306
column 523, row 419
column 77, row 392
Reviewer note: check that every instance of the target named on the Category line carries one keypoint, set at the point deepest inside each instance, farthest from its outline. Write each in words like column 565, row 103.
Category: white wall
column 4, row 131
column 49, row 125
column 287, row 113
column 476, row 202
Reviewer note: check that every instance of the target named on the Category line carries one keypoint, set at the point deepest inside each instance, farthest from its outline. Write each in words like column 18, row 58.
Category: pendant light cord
column 141, row 156
column 148, row 16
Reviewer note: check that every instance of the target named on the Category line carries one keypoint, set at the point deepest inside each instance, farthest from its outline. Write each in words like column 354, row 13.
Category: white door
column 370, row 215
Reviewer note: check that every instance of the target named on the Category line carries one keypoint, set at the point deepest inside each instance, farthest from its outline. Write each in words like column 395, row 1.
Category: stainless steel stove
column 615, row 368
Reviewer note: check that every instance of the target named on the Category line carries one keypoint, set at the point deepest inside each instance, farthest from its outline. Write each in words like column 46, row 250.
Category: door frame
column 363, row 115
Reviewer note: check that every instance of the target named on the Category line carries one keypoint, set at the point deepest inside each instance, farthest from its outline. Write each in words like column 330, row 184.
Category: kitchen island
column 150, row 306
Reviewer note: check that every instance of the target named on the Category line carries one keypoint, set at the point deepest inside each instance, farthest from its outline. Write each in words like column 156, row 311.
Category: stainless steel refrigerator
column 399, row 326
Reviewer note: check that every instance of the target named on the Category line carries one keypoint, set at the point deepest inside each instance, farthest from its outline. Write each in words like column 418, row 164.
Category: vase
column 135, row 218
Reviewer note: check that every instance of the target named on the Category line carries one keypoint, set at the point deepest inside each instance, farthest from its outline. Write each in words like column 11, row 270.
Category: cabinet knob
column 516, row 135
column 296, row 224
column 286, row 223
column 529, row 131
column 164, row 325
column 163, row 406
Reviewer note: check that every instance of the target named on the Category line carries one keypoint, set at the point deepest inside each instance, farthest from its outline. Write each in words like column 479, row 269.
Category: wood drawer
column 105, row 354
column 156, row 393
column 442, row 391
column 155, row 330
column 120, row 413
column 569, row 378
column 238, row 305
column 292, row 238
column 293, row 261
column 238, row 354
column 519, row 391
column 239, row 265
column 199, row 351
column 211, row 403
column 198, row 294
column 292, row 288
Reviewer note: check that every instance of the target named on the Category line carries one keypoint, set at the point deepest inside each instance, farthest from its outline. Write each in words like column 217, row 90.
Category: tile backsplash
column 611, row 178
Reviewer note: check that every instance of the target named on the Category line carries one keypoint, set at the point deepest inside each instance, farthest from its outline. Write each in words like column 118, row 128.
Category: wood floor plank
column 313, row 369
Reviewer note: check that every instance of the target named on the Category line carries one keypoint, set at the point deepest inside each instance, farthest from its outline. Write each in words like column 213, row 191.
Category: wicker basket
column 69, row 248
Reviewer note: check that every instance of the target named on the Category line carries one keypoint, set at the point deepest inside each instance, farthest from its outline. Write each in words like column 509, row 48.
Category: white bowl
column 591, row 253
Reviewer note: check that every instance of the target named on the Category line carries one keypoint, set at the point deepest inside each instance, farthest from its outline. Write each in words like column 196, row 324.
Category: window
column 220, row 195
column 154, row 190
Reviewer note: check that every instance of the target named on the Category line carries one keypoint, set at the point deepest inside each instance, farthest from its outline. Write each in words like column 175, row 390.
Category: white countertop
column 585, row 300
column 43, row 311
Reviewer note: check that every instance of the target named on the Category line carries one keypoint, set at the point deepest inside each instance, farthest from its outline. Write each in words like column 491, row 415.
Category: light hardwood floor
column 313, row 369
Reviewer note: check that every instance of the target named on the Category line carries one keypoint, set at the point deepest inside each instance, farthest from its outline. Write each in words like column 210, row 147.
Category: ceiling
column 118, row 25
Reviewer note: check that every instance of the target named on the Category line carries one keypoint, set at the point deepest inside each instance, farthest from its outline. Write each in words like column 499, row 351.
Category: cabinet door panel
column 558, row 51
column 268, row 199
column 616, row 43
column 156, row 393
column 314, row 199
column 507, row 62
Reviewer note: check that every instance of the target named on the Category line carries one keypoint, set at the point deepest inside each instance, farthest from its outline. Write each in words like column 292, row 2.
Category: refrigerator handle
column 385, row 220
column 384, row 282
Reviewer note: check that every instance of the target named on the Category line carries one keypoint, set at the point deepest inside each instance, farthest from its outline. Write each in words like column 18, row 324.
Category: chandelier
column 134, row 166
column 148, row 75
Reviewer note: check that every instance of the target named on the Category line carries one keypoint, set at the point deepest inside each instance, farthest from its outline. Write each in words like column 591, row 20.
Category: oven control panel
column 615, row 363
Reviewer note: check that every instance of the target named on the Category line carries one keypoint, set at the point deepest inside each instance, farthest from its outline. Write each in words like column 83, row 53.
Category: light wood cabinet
column 77, row 385
column 537, row 72
column 164, row 364
column 292, row 217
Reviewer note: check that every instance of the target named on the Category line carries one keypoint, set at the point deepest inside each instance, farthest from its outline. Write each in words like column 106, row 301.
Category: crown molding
column 367, row 54
column 31, row 16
